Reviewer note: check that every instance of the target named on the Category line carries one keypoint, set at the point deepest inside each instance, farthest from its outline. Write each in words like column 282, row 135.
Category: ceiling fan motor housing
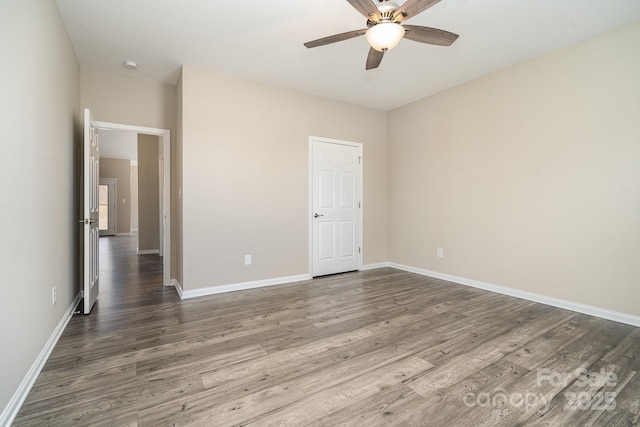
column 386, row 9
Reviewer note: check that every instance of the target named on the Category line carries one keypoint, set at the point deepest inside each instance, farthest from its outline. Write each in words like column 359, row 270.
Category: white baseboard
column 148, row 251
column 555, row 302
column 12, row 408
column 374, row 266
column 240, row 286
column 177, row 285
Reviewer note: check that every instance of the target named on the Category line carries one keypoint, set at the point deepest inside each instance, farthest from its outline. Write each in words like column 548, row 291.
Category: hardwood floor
column 373, row 348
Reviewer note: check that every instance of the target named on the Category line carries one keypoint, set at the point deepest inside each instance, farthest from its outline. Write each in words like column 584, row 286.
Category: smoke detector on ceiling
column 130, row 65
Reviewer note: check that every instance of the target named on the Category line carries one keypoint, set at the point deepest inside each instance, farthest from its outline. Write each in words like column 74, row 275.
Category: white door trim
column 160, row 197
column 165, row 146
column 359, row 145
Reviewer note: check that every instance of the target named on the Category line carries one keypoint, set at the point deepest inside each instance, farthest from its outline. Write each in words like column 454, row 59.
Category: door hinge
column 359, row 250
column 359, row 159
column 359, row 205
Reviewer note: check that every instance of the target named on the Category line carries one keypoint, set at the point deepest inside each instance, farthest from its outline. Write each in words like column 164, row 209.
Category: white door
column 91, row 211
column 336, row 207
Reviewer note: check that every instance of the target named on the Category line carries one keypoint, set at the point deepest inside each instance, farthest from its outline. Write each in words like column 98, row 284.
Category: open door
column 91, row 160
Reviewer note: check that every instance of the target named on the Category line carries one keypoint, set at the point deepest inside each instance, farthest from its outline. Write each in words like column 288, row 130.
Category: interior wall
column 125, row 99
column 528, row 178
column 39, row 174
column 245, row 150
column 120, row 170
column 148, row 193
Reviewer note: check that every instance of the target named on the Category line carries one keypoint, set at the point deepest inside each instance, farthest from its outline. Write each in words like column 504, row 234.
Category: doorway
column 107, row 195
column 164, row 147
column 335, row 231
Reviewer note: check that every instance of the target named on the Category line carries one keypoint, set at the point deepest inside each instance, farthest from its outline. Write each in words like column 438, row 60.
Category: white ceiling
column 263, row 41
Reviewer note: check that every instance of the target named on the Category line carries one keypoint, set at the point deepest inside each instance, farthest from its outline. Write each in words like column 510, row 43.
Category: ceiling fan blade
column 374, row 58
column 335, row 38
column 429, row 35
column 367, row 8
column 411, row 8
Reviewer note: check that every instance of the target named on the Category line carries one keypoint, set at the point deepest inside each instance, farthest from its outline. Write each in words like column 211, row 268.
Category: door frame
column 358, row 145
column 113, row 211
column 165, row 147
column 160, row 201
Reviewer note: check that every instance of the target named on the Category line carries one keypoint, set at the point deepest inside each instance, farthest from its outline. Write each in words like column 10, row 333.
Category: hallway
column 129, row 280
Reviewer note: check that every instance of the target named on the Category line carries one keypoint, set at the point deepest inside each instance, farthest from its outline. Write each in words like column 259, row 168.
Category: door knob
column 316, row 215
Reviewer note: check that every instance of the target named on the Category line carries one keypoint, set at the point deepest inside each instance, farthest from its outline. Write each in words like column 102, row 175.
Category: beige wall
column 39, row 174
column 125, row 99
column 529, row 177
column 121, row 171
column 148, row 193
column 245, row 177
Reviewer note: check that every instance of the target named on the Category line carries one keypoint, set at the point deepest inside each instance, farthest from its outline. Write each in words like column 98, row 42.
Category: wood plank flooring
column 374, row 348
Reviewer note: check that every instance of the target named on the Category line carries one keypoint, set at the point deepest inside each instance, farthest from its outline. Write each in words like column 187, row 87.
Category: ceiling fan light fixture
column 384, row 36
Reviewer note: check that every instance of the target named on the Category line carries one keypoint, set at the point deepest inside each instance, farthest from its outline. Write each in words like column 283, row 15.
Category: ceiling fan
column 384, row 28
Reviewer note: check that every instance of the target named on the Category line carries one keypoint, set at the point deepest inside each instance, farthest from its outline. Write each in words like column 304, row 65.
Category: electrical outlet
column 247, row 260
column 440, row 253
column 54, row 296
